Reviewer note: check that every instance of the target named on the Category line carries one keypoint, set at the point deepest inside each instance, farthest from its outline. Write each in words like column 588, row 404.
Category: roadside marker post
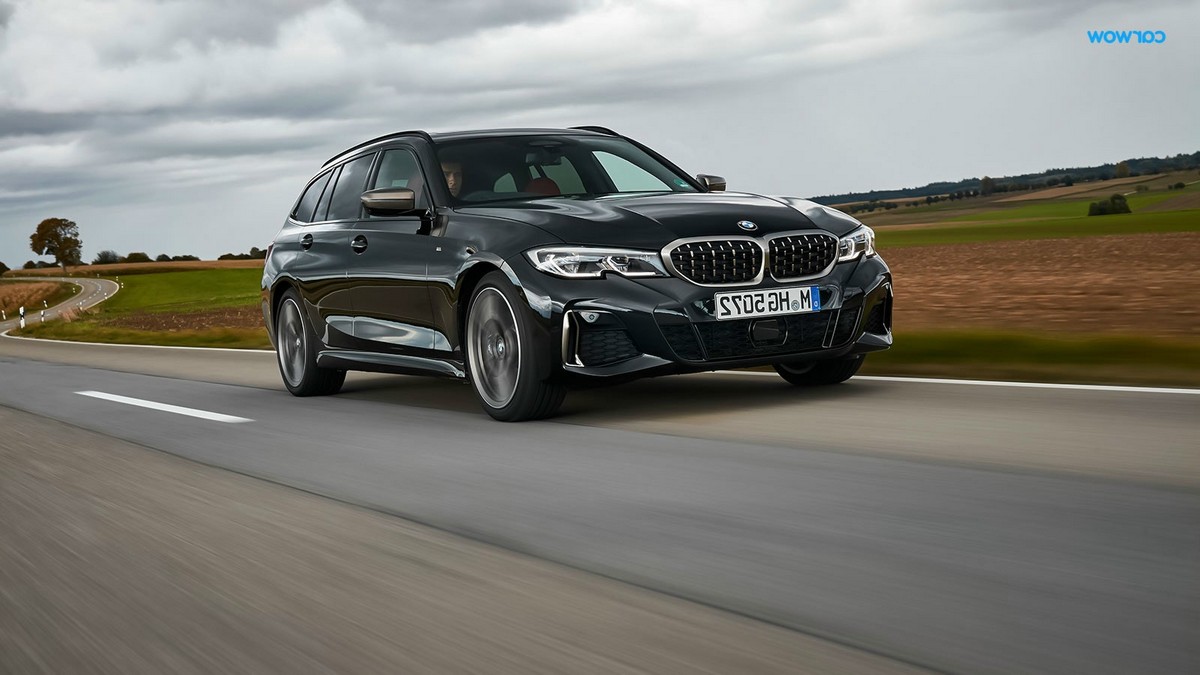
column 43, row 316
column 22, row 312
column 3, row 315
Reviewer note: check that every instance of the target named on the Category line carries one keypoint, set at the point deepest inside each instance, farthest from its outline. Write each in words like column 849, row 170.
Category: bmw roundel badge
column 747, row 225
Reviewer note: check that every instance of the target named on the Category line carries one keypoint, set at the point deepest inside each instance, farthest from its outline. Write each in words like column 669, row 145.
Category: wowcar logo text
column 1142, row 37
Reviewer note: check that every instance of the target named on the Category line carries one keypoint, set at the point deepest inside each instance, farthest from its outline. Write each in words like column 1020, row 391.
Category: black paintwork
column 389, row 293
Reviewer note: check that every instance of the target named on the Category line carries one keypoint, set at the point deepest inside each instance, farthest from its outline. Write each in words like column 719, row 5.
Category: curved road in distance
column 956, row 527
column 94, row 292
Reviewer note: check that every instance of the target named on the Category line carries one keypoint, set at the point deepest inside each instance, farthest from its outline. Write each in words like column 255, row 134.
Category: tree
column 106, row 257
column 3, row 268
column 58, row 237
column 1114, row 204
column 987, row 186
column 1122, row 170
column 29, row 265
column 163, row 257
column 136, row 257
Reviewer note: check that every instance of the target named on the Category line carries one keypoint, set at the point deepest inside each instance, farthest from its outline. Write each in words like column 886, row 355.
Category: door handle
column 306, row 242
column 359, row 244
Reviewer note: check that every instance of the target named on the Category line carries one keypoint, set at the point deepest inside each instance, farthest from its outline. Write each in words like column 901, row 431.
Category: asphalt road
column 94, row 292
column 955, row 527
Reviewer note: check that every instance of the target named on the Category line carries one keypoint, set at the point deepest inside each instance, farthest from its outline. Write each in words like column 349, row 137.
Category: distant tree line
column 109, row 257
column 255, row 254
column 1034, row 181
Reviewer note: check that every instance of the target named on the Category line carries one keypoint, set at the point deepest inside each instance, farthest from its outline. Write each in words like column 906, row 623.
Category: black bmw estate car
column 526, row 261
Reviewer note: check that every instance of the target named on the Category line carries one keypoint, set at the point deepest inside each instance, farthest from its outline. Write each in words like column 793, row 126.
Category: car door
column 319, row 252
column 389, row 270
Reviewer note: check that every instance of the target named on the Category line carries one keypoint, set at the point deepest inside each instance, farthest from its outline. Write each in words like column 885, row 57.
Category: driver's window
column 399, row 168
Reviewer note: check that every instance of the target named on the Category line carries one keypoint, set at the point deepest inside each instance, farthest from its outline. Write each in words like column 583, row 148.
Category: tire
column 501, row 358
column 296, row 352
column 820, row 372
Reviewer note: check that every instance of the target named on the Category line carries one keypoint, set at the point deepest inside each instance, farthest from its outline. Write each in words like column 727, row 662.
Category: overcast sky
column 189, row 126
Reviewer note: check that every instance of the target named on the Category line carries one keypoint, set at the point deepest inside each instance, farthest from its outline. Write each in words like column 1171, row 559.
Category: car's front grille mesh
column 847, row 321
column 718, row 261
column 801, row 255
column 604, row 347
column 731, row 339
column 875, row 322
column 682, row 339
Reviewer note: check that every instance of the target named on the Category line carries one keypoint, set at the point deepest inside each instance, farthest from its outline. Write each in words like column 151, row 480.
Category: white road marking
column 165, row 407
column 998, row 383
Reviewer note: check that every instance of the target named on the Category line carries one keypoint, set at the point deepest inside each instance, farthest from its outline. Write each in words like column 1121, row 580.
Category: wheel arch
column 280, row 286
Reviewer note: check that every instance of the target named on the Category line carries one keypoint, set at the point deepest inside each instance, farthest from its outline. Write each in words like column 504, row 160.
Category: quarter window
column 308, row 202
column 347, row 194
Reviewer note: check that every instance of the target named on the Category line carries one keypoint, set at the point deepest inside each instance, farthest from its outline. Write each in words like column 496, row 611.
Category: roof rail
column 599, row 130
column 415, row 132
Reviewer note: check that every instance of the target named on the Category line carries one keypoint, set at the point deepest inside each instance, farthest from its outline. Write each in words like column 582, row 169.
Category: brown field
column 1139, row 284
column 14, row 295
column 137, row 268
column 229, row 317
column 1076, row 189
column 1189, row 200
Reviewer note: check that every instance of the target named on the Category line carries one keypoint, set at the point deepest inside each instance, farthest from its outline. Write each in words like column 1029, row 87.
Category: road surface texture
column 94, row 292
column 958, row 528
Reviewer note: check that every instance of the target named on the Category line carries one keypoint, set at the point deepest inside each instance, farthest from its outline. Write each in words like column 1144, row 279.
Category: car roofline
column 460, row 135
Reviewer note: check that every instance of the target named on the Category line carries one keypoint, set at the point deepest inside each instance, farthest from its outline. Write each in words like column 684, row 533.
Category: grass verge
column 1085, row 359
column 88, row 331
column 1054, row 228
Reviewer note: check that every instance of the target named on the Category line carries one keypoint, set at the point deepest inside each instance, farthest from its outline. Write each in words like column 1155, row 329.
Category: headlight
column 858, row 242
column 585, row 262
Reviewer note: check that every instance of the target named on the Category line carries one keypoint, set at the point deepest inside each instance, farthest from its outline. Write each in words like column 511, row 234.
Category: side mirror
column 711, row 183
column 396, row 200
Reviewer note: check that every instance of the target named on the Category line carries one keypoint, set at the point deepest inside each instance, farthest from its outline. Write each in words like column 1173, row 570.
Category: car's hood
column 653, row 220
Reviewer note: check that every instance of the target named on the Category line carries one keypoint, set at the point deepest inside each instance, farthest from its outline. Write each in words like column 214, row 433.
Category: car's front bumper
column 614, row 328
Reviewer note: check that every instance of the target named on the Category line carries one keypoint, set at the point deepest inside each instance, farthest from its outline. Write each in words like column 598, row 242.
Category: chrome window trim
column 666, row 257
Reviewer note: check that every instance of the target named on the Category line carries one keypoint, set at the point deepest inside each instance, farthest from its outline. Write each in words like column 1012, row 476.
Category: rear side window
column 308, row 202
column 347, row 194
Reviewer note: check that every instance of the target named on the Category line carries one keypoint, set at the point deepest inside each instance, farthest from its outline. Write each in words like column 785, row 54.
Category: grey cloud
column 212, row 26
column 16, row 122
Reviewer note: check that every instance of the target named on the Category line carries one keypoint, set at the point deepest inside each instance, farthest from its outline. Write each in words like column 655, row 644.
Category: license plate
column 770, row 302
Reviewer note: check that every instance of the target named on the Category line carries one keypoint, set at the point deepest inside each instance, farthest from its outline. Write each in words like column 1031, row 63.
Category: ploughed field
column 1142, row 284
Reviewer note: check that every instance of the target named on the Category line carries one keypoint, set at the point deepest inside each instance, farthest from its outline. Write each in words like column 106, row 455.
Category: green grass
column 187, row 291
column 168, row 293
column 1054, row 228
column 1099, row 359
column 91, row 331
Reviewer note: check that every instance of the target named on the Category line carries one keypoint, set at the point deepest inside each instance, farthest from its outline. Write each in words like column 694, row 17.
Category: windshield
column 484, row 170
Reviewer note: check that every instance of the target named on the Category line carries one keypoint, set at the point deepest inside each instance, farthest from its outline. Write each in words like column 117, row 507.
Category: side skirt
column 390, row 363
